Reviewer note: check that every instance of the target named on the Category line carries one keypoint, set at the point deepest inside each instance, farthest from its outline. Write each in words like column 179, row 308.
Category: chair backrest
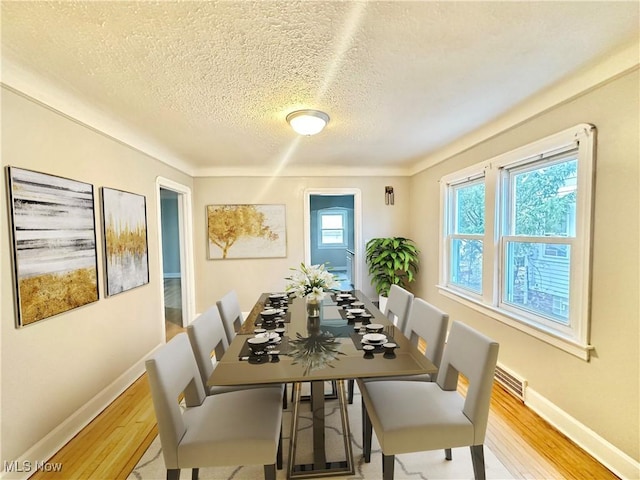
column 207, row 335
column 172, row 370
column 231, row 315
column 398, row 306
column 430, row 324
column 474, row 355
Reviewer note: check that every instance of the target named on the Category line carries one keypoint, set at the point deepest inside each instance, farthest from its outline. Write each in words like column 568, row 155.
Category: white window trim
column 333, row 211
column 575, row 342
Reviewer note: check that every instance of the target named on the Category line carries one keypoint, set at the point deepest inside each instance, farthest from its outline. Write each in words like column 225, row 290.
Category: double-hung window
column 516, row 237
column 332, row 228
column 466, row 234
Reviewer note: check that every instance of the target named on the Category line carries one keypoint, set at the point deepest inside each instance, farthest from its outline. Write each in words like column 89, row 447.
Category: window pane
column 466, row 264
column 332, row 237
column 537, row 279
column 469, row 208
column 544, row 200
column 332, row 221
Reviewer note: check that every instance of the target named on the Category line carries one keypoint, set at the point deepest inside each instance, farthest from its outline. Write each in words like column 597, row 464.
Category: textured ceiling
column 212, row 82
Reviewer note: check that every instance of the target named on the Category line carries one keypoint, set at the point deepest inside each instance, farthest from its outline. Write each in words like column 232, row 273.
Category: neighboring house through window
column 516, row 237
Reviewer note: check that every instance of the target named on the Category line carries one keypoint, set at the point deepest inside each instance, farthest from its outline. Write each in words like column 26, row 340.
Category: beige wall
column 54, row 367
column 252, row 276
column 51, row 369
column 602, row 394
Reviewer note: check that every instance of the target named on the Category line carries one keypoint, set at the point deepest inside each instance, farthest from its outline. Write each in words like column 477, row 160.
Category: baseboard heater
column 514, row 384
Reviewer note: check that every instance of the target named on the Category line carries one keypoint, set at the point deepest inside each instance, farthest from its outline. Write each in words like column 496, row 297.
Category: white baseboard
column 69, row 428
column 609, row 455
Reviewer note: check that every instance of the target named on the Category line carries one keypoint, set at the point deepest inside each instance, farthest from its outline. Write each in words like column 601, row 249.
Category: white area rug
column 419, row 466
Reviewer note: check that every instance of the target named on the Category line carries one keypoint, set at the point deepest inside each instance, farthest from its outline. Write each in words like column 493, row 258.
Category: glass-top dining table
column 332, row 347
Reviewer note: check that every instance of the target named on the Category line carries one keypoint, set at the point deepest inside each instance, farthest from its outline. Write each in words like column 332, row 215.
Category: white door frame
column 185, row 229
column 357, row 224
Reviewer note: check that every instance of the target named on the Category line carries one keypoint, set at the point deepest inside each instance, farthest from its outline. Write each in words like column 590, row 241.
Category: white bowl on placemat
column 356, row 312
column 258, row 345
column 374, row 328
column 374, row 338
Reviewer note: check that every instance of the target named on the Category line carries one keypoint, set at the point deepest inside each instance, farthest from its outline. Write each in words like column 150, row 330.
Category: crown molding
column 311, row 171
column 31, row 86
column 613, row 66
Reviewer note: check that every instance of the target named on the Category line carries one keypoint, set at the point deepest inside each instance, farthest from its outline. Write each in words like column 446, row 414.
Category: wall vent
column 514, row 384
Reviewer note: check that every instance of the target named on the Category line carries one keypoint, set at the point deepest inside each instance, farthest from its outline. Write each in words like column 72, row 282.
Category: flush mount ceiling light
column 308, row 122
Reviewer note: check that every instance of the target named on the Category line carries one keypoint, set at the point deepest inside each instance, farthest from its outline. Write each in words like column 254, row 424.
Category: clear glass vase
column 313, row 307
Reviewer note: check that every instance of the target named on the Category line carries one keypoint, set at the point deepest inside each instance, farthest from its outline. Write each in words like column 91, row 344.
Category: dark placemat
column 283, row 347
column 335, row 298
column 357, row 341
column 277, row 301
column 364, row 320
column 285, row 318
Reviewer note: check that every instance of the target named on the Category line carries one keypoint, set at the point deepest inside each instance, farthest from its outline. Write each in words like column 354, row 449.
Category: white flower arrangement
column 311, row 281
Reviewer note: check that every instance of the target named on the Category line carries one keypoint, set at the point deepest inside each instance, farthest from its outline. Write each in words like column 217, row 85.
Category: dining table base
column 320, row 466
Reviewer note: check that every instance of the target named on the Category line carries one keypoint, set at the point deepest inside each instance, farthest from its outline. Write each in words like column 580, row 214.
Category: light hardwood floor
column 111, row 445
column 173, row 301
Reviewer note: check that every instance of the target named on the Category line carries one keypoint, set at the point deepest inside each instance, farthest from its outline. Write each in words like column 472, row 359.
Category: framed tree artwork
column 124, row 216
column 246, row 231
column 54, row 244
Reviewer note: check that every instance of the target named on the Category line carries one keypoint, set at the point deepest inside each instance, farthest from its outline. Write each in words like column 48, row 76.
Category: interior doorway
column 174, row 212
column 332, row 232
column 171, row 273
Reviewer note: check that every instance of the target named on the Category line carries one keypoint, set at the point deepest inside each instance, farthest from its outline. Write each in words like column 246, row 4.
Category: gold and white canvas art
column 54, row 242
column 125, row 233
column 246, row 231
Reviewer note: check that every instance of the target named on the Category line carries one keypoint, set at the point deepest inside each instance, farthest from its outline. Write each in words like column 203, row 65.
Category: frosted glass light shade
column 307, row 122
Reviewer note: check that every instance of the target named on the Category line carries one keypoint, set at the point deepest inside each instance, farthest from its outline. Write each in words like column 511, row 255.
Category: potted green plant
column 391, row 261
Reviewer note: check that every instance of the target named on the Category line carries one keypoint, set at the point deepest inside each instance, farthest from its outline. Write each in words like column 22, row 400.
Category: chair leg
column 363, row 413
column 387, row 466
column 447, row 453
column 270, row 472
column 194, row 473
column 367, row 432
column 477, row 457
column 284, row 398
column 173, row 474
column 350, row 388
column 279, row 454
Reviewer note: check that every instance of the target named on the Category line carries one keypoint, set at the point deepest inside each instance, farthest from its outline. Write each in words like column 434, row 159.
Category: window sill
column 569, row 345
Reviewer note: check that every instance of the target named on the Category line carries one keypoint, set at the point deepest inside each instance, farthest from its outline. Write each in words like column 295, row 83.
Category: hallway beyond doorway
column 172, row 306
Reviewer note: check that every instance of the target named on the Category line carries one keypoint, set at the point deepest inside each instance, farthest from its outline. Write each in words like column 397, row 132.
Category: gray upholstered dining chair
column 430, row 324
column 398, row 306
column 231, row 314
column 206, row 335
column 397, row 310
column 234, row 428
column 411, row 416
